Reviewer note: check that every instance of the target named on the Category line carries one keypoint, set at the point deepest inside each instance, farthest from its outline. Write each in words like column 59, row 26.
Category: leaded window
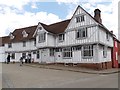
column 87, row 51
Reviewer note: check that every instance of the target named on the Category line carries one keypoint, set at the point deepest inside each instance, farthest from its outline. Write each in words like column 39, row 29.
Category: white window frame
column 67, row 52
column 105, row 51
column 42, row 37
column 61, row 37
column 81, row 33
column 87, row 51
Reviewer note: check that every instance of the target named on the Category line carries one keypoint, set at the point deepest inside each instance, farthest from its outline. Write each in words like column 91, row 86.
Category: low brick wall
column 96, row 66
column 90, row 65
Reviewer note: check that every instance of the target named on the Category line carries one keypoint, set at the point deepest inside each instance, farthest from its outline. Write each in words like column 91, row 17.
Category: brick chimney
column 97, row 15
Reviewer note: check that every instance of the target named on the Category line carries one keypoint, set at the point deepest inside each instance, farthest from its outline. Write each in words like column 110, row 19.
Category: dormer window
column 11, row 36
column 24, row 34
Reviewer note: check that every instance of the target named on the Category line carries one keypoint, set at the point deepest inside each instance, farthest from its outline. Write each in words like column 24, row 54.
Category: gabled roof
column 100, row 24
column 56, row 28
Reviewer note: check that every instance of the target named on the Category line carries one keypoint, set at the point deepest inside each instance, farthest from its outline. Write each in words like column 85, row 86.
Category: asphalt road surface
column 15, row 76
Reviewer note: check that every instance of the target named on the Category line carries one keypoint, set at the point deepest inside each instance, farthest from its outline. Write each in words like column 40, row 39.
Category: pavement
column 74, row 68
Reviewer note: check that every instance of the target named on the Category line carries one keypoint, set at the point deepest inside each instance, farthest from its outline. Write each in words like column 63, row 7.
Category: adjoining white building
column 81, row 40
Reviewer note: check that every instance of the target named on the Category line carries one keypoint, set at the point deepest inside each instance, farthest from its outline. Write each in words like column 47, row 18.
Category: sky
column 16, row 14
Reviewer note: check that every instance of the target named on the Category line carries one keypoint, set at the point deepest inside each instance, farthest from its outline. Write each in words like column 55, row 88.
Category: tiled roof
column 57, row 28
column 18, row 36
column 4, row 40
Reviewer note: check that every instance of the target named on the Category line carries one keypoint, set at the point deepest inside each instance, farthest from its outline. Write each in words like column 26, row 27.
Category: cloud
column 34, row 6
column 68, row 1
column 10, row 19
column 81, row 1
column 14, row 3
column 13, row 15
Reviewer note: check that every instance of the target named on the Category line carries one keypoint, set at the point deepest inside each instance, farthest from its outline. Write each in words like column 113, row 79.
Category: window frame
column 105, row 51
column 80, row 18
column 77, row 48
column 9, row 45
column 24, row 43
column 61, row 37
column 42, row 37
column 58, row 50
column 37, row 54
column 107, row 36
column 82, row 33
column 51, row 53
column 67, row 53
column 87, row 51
column 12, row 55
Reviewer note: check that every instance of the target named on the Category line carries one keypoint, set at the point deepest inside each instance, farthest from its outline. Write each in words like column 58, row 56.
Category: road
column 14, row 76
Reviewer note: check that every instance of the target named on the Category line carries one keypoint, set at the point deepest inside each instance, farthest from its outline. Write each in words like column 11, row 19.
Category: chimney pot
column 111, row 31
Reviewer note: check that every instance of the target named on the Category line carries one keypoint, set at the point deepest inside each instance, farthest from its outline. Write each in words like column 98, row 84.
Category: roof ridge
column 26, row 27
column 59, row 22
